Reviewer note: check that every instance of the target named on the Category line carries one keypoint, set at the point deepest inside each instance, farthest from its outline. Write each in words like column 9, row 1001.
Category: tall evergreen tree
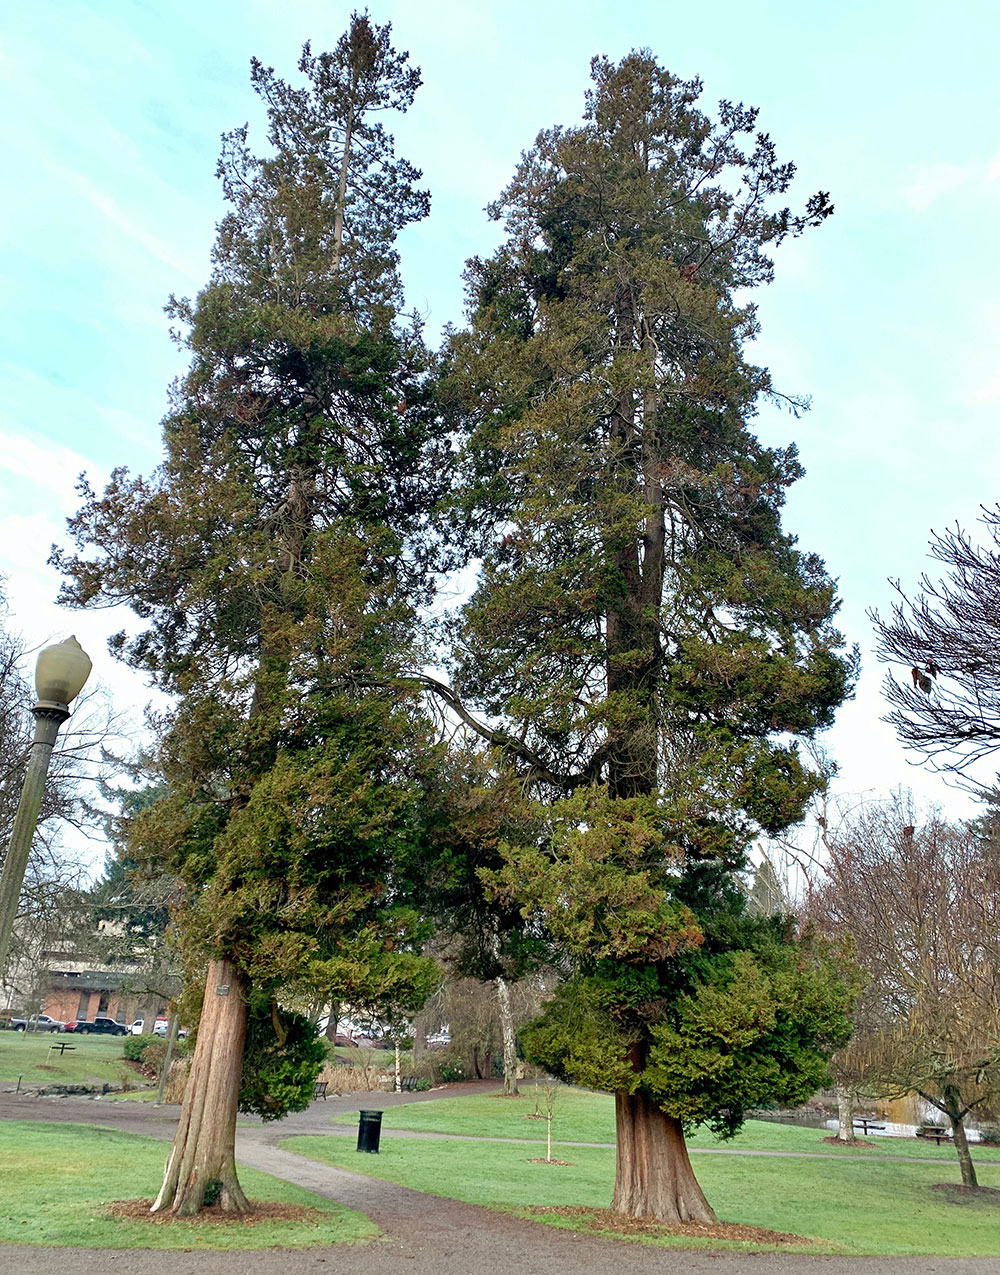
column 646, row 644
column 278, row 558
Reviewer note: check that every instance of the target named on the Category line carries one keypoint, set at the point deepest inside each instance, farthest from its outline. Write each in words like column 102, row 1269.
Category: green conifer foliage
column 277, row 561
column 648, row 641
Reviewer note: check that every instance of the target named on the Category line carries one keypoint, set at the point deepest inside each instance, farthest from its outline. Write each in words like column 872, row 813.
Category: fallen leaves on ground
column 606, row 1220
column 213, row 1215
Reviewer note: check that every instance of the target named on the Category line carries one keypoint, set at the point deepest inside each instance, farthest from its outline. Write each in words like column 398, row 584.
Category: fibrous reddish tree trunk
column 204, row 1146
column 653, row 1175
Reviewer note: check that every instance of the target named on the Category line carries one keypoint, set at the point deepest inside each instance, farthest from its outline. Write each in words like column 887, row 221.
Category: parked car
column 44, row 1024
column 101, row 1025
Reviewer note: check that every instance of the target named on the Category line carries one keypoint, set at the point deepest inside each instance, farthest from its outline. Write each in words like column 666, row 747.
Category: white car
column 159, row 1028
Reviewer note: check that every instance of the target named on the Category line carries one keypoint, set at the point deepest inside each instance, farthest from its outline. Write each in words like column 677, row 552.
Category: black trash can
column 369, row 1131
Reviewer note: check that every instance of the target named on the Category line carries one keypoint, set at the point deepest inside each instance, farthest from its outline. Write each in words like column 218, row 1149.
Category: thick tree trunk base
column 509, row 1037
column 653, row 1174
column 845, row 1116
column 202, row 1156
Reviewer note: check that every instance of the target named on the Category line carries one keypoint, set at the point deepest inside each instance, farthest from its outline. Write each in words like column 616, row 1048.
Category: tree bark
column 203, row 1149
column 962, row 1150
column 332, row 1021
column 845, row 1115
column 508, row 1036
column 653, row 1174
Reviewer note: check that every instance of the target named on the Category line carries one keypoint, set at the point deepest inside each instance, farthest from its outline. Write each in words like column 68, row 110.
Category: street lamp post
column 60, row 674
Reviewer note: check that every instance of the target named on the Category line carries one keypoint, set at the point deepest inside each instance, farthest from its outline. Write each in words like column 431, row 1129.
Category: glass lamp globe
column 61, row 672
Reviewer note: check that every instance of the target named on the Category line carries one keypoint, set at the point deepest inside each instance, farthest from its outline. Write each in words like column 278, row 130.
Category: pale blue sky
column 888, row 315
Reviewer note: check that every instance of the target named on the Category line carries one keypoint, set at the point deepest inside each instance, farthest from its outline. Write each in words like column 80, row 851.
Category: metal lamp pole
column 60, row 675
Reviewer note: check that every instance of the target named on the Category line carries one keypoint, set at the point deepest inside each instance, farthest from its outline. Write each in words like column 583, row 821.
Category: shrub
column 278, row 1074
column 134, row 1047
column 126, row 1077
column 153, row 1056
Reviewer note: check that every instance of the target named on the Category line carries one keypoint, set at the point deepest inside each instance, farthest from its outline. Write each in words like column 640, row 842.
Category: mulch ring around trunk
column 958, row 1193
column 213, row 1215
column 540, row 1159
column 602, row 1220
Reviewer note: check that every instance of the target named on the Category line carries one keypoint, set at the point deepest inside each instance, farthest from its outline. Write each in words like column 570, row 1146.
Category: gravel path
column 425, row 1235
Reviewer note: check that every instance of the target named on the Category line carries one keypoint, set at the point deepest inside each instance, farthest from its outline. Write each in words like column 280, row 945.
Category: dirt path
column 425, row 1235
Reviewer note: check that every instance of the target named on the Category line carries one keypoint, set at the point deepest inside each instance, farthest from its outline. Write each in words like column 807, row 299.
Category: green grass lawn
column 57, row 1179
column 579, row 1115
column 93, row 1059
column 852, row 1207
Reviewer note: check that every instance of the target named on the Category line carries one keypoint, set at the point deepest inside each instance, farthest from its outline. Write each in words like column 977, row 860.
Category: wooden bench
column 408, row 1084
column 935, row 1131
column 319, row 1090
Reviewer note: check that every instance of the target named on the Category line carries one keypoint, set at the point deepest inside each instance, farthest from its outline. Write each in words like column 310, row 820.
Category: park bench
column 319, row 1090
column 408, row 1084
column 935, row 1131
column 867, row 1122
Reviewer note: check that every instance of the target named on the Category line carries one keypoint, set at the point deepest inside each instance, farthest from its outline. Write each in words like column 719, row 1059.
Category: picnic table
column 62, row 1046
column 866, row 1123
column 935, row 1131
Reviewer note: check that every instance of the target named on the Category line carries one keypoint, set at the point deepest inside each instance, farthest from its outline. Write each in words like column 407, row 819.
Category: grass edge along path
column 847, row 1207
column 57, row 1182
column 581, row 1115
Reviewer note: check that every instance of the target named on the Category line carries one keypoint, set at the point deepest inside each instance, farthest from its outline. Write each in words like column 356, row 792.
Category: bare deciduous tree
column 920, row 897
column 946, row 636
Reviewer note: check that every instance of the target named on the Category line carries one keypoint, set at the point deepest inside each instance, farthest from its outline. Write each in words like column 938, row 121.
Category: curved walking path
column 425, row 1235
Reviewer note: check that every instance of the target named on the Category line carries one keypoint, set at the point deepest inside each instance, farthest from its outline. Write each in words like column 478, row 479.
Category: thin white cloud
column 928, row 183
column 113, row 212
column 41, row 461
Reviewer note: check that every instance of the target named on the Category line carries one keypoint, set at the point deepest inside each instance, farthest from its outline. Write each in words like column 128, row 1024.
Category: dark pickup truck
column 102, row 1025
